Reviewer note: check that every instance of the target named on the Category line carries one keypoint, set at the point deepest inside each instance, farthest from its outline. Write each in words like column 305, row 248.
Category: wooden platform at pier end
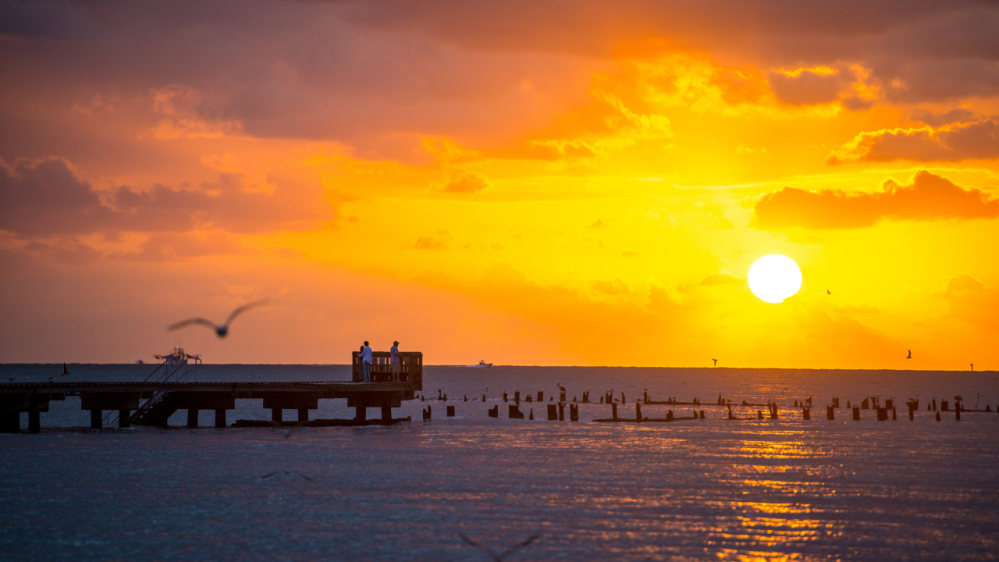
column 153, row 402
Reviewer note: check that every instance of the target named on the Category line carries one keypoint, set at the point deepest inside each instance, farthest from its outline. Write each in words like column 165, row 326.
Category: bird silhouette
column 972, row 366
column 828, row 292
column 910, row 355
column 716, row 362
column 499, row 557
column 222, row 330
column 287, row 471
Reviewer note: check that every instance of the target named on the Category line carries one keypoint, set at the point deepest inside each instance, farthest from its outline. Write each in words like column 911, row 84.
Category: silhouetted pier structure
column 165, row 391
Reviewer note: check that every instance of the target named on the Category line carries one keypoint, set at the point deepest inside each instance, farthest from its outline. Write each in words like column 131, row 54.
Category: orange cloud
column 47, row 197
column 929, row 197
column 461, row 181
column 979, row 139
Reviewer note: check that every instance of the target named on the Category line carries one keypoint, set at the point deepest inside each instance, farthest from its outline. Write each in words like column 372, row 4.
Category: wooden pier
column 154, row 400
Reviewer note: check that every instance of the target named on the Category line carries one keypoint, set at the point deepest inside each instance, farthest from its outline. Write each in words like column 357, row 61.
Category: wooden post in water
column 541, row 396
column 882, row 414
column 96, row 419
column 573, row 412
column 614, row 410
column 552, row 413
column 944, row 406
column 957, row 412
column 531, row 415
column 586, row 397
column 806, row 414
column 561, row 411
column 220, row 418
column 515, row 413
column 516, row 397
column 912, row 411
column 505, row 397
column 449, row 413
column 427, row 413
column 856, row 413
column 494, row 412
column 938, row 416
column 894, row 414
column 835, row 403
column 830, row 413
column 638, row 411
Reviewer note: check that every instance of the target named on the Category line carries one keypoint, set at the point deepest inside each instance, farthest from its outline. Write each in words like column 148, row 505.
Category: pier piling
column 494, row 412
column 614, row 410
column 561, row 411
column 361, row 412
column 96, row 419
column 35, row 422
column 303, row 414
column 192, row 417
column 449, row 413
column 638, row 411
column 220, row 418
column 386, row 412
column 830, row 413
column 124, row 418
column 552, row 413
column 806, row 414
column 573, row 412
column 277, row 415
column 856, row 413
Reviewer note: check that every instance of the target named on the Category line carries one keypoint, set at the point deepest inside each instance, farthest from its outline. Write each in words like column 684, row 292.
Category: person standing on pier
column 366, row 361
column 396, row 362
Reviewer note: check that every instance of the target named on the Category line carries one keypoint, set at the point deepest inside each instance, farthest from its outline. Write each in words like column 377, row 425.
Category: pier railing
column 381, row 368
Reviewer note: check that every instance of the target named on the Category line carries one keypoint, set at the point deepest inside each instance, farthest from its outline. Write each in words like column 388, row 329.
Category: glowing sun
column 773, row 278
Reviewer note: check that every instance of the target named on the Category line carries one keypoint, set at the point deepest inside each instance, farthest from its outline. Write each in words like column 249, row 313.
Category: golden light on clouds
column 566, row 183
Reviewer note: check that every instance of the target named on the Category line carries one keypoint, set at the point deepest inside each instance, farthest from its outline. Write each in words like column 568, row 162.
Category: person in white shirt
column 396, row 362
column 366, row 361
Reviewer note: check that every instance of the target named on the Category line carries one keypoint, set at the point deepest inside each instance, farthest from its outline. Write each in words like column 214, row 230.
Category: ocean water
column 784, row 489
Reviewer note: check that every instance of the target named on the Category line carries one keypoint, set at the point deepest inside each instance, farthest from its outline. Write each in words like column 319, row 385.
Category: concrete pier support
column 220, row 418
column 35, row 422
column 123, row 418
column 360, row 413
column 192, row 417
column 10, row 422
column 277, row 415
column 386, row 413
column 96, row 419
column 303, row 415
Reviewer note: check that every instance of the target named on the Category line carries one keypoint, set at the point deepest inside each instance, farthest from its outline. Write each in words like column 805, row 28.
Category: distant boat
column 482, row 365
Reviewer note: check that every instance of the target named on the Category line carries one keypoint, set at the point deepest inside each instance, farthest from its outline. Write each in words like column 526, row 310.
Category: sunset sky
column 525, row 182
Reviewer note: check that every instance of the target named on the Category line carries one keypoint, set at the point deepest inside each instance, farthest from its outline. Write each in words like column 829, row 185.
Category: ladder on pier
column 157, row 409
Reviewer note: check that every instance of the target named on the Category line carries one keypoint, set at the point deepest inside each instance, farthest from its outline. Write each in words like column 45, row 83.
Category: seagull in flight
column 716, row 362
column 286, row 471
column 222, row 330
column 499, row 557
column 910, row 355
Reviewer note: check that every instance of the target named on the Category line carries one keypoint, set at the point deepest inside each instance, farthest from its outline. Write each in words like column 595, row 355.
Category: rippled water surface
column 711, row 489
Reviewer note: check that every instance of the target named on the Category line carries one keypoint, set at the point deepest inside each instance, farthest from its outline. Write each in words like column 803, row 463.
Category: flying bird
column 782, row 392
column 222, row 330
column 286, row 471
column 910, row 355
column 499, row 557
column 716, row 362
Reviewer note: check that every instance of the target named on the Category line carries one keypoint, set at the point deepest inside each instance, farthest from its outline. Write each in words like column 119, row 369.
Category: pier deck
column 164, row 392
